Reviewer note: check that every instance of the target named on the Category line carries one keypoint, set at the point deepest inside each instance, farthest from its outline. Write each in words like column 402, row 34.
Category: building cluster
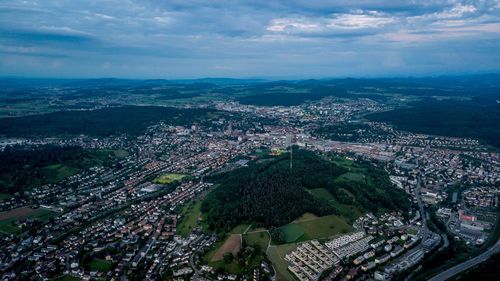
column 122, row 216
column 309, row 260
column 392, row 246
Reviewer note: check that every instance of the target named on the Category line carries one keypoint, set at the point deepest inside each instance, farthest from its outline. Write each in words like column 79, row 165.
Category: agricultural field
column 190, row 213
column 7, row 219
column 231, row 245
column 168, row 178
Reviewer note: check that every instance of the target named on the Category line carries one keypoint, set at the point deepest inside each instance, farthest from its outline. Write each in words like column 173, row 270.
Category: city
column 263, row 140
column 122, row 221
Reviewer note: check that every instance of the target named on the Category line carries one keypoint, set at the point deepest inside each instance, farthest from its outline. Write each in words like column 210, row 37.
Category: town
column 123, row 222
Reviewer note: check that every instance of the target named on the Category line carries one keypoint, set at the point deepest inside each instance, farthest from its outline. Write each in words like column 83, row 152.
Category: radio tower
column 289, row 144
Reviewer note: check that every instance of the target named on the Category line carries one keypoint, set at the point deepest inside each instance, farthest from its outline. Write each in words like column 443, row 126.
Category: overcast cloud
column 280, row 39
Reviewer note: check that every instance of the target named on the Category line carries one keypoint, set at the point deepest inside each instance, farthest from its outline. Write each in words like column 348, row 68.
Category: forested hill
column 270, row 194
column 22, row 168
column 476, row 118
column 102, row 122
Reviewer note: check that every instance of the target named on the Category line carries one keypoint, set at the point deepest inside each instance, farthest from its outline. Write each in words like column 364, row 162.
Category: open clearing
column 168, row 178
column 190, row 213
column 120, row 153
column 310, row 226
column 353, row 177
column 292, row 232
column 321, row 193
column 231, row 245
column 260, row 238
column 4, row 196
column 58, row 172
column 100, row 265
column 349, row 211
column 8, row 218
column 240, row 228
column 323, row 227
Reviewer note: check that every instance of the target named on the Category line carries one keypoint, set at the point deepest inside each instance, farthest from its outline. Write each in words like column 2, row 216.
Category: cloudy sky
column 230, row 38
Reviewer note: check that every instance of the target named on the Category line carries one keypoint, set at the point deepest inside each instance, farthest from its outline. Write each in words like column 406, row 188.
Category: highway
column 467, row 264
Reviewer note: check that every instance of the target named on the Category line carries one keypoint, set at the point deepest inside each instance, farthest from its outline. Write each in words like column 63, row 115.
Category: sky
column 248, row 39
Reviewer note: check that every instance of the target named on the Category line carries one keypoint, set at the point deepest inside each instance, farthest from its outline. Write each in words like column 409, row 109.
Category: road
column 425, row 229
column 467, row 264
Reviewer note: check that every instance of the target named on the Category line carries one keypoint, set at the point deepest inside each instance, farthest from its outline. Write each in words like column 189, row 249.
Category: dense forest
column 270, row 194
column 477, row 118
column 26, row 167
column 103, row 122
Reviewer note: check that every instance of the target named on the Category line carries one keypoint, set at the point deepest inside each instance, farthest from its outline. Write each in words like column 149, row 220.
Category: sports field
column 168, row 178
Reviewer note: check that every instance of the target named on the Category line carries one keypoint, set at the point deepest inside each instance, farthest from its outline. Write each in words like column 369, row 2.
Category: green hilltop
column 270, row 194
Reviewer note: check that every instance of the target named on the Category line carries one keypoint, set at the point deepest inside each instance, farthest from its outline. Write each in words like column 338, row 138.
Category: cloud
column 246, row 38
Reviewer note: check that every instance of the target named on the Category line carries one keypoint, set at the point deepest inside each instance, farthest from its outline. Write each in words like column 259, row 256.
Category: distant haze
column 264, row 39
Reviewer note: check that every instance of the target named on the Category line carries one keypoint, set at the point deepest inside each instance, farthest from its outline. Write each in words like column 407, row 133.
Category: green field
column 260, row 238
column 309, row 227
column 58, row 172
column 240, row 228
column 100, row 265
column 349, row 211
column 352, row 176
column 276, row 255
column 168, row 178
column 4, row 196
column 120, row 153
column 322, row 194
column 7, row 219
column 234, row 267
column 292, row 232
column 323, row 227
column 190, row 213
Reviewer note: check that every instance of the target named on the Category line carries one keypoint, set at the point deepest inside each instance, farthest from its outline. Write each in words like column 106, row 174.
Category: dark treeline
column 373, row 194
column 270, row 194
column 25, row 167
column 478, row 118
column 103, row 122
